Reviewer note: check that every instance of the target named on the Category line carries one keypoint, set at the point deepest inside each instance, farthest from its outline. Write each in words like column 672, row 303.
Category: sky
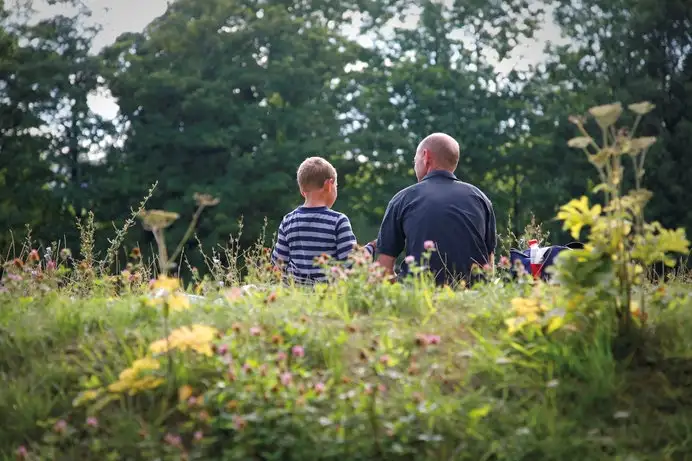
column 120, row 16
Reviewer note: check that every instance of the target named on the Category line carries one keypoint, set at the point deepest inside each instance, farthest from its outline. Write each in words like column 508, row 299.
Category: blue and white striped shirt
column 307, row 233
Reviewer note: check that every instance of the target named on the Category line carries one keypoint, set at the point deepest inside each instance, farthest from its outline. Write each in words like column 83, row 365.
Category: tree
column 625, row 51
column 227, row 97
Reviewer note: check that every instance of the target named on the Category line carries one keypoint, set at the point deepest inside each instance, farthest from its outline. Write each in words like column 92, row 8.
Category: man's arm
column 387, row 262
column 391, row 239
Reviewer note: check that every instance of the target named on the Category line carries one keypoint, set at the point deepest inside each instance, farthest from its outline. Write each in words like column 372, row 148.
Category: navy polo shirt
column 457, row 217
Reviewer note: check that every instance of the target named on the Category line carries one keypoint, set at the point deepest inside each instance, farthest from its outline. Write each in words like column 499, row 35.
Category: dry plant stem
column 163, row 252
column 120, row 234
column 188, row 233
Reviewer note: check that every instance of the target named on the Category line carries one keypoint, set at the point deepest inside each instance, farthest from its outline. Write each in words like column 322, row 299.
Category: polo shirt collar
column 441, row 173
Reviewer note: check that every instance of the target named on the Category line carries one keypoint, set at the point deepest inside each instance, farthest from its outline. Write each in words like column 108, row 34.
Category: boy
column 314, row 228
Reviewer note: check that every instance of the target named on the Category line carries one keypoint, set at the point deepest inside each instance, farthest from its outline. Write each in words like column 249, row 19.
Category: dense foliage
column 226, row 97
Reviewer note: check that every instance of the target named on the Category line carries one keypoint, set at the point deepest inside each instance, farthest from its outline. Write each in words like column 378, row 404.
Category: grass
column 388, row 372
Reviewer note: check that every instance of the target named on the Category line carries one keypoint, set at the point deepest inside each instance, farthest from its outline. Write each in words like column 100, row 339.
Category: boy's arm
column 345, row 239
column 281, row 253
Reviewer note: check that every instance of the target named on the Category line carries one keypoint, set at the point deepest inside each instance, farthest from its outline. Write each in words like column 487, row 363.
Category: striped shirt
column 307, row 233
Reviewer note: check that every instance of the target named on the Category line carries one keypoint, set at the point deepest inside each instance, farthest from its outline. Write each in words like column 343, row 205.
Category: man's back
column 457, row 217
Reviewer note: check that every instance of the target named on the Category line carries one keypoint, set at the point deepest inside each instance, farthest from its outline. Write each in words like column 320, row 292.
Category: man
column 455, row 216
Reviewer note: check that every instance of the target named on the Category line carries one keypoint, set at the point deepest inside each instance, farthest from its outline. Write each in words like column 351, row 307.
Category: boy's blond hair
column 313, row 172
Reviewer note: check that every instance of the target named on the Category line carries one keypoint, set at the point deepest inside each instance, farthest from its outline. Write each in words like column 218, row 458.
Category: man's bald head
column 441, row 150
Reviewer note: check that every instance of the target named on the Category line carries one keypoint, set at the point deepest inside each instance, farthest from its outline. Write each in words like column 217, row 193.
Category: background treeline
column 226, row 97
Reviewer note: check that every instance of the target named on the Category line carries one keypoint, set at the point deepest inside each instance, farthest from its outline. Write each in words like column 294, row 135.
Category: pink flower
column 239, row 423
column 255, row 331
column 429, row 245
column 433, row 339
column 51, row 266
column 281, row 356
column 504, row 262
column 298, row 351
column 199, row 435
column 286, row 378
column 409, row 259
column 223, row 349
column 319, row 387
column 92, row 422
column 60, row 426
column 385, row 359
column 14, row 277
column 486, row 267
column 173, row 440
column 22, row 452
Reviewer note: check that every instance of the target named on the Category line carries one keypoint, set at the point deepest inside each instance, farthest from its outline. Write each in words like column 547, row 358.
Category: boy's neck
column 315, row 203
column 315, row 199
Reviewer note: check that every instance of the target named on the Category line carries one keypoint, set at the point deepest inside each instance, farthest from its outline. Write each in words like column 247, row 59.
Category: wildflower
column 426, row 340
column 286, row 378
column 173, row 440
column 505, row 263
column 272, row 297
column 205, row 200
column 607, row 114
column 131, row 381
column 14, row 277
column 165, row 283
column 65, row 253
column 233, row 294
column 60, row 426
column 298, row 351
column 319, row 387
column 255, row 331
column 247, row 367
column 385, row 360
column 136, row 253
column 236, row 327
column 51, row 266
column 277, row 339
column 409, row 259
column 197, row 338
column 239, row 423
column 178, row 302
column 22, row 452
column 199, row 435
column 184, row 393
column 92, row 422
column 429, row 245
column 18, row 263
column 157, row 219
column 281, row 356
column 34, row 256
column 642, row 108
column 222, row 349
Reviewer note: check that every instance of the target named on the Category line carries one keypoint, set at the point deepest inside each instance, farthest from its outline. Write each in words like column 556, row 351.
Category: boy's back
column 308, row 232
column 314, row 228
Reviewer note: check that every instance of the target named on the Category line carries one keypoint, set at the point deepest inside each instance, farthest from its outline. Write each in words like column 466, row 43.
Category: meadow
column 135, row 364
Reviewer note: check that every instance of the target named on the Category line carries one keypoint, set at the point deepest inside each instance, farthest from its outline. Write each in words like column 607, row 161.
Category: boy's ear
column 328, row 183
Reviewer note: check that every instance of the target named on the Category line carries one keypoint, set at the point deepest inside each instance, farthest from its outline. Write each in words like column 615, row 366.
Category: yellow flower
column 178, row 302
column 577, row 214
column 184, row 393
column 130, row 381
column 514, row 324
column 166, row 283
column 198, row 338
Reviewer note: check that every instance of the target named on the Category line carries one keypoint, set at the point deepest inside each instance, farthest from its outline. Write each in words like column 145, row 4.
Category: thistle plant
column 621, row 244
